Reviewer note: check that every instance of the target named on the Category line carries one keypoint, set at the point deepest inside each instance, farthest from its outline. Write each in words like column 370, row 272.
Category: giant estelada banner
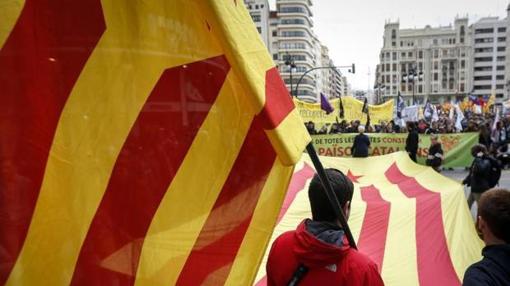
column 141, row 143
column 456, row 146
column 411, row 221
column 352, row 111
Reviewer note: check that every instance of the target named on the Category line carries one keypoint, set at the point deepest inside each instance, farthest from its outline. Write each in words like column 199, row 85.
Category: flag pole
column 330, row 194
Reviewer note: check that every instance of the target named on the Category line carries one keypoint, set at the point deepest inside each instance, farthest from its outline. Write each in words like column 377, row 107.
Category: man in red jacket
column 318, row 247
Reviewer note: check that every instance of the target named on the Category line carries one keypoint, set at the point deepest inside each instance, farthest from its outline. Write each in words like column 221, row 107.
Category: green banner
column 456, row 146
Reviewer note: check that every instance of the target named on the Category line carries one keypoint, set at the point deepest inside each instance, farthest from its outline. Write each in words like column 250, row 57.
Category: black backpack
column 494, row 173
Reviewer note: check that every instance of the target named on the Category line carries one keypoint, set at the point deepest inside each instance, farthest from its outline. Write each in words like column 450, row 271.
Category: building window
column 501, row 58
column 275, row 57
column 501, row 49
column 382, row 68
column 436, row 54
column 256, row 18
column 484, row 31
column 387, row 67
column 500, row 77
column 275, row 33
column 402, row 55
column 502, row 29
column 393, row 34
column 403, row 68
column 259, row 29
column 462, row 87
column 393, row 44
column 436, row 76
column 500, row 68
column 394, row 67
column 486, row 77
column 500, row 86
column 420, row 66
column 410, row 54
column 434, row 41
column 462, row 64
column 501, row 39
column 388, row 78
column 484, row 40
column 394, row 56
column 401, row 43
column 420, row 88
column 483, row 59
column 436, row 65
column 420, row 54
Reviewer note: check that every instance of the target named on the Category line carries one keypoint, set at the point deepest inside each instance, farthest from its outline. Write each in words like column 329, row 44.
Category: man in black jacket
column 493, row 222
column 478, row 175
column 361, row 144
column 412, row 141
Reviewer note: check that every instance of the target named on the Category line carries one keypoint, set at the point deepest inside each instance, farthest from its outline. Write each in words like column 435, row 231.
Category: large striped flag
column 411, row 221
column 141, row 142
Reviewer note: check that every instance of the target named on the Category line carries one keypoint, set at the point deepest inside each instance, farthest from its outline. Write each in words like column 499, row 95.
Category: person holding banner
column 412, row 141
column 435, row 157
column 317, row 252
column 361, row 144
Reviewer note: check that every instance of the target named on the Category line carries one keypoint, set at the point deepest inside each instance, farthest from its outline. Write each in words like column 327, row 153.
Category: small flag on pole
column 325, row 105
column 341, row 107
column 401, row 105
column 365, row 106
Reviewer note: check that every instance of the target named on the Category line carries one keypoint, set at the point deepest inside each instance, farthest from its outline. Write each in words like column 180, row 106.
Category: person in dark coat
column 412, row 141
column 320, row 246
column 435, row 157
column 361, row 144
column 477, row 178
column 493, row 223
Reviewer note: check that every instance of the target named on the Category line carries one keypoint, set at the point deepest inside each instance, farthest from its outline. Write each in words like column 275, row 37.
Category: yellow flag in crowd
column 141, row 143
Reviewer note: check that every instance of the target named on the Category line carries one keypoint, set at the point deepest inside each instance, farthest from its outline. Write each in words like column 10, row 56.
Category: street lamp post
column 412, row 76
column 290, row 62
column 352, row 69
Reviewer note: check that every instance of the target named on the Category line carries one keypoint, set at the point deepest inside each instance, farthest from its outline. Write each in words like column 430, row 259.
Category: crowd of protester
column 444, row 125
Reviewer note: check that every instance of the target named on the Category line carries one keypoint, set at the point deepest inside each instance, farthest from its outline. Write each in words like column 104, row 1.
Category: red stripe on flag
column 150, row 158
column 248, row 176
column 39, row 65
column 372, row 240
column 297, row 184
column 434, row 262
column 229, row 220
column 278, row 101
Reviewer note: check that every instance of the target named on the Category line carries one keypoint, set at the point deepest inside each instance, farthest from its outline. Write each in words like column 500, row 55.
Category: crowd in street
column 443, row 125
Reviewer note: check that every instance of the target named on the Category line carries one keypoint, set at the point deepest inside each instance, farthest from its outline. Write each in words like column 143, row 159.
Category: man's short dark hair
column 322, row 210
column 494, row 208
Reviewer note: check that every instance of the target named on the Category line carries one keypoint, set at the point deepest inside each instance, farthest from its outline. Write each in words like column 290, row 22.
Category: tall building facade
column 490, row 57
column 425, row 64
column 289, row 37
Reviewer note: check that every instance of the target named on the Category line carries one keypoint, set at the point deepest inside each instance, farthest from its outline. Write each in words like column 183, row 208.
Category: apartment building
column 425, row 64
column 490, row 57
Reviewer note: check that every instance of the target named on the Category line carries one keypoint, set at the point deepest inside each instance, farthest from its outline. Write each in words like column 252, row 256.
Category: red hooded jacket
column 328, row 264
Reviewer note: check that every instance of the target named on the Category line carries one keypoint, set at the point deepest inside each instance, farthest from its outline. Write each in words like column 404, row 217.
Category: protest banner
column 352, row 111
column 456, row 146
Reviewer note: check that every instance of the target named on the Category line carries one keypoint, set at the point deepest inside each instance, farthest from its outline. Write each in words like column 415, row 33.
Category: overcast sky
column 353, row 30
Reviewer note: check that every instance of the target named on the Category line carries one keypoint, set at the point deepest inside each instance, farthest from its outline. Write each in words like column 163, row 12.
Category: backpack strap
column 298, row 275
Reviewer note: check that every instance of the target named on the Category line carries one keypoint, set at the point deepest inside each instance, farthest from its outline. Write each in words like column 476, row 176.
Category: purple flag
column 325, row 104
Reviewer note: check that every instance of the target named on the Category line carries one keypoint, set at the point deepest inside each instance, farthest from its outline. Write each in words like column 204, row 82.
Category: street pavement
column 460, row 174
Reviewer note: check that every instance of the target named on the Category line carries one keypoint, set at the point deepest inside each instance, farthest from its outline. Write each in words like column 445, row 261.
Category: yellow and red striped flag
column 411, row 221
column 141, row 142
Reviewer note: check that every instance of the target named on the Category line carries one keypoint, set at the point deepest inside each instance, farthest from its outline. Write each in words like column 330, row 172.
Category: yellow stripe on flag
column 257, row 237
column 459, row 233
column 182, row 213
column 250, row 60
column 141, row 41
column 9, row 14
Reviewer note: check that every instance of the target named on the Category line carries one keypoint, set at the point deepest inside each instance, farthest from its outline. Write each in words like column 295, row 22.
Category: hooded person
column 320, row 246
